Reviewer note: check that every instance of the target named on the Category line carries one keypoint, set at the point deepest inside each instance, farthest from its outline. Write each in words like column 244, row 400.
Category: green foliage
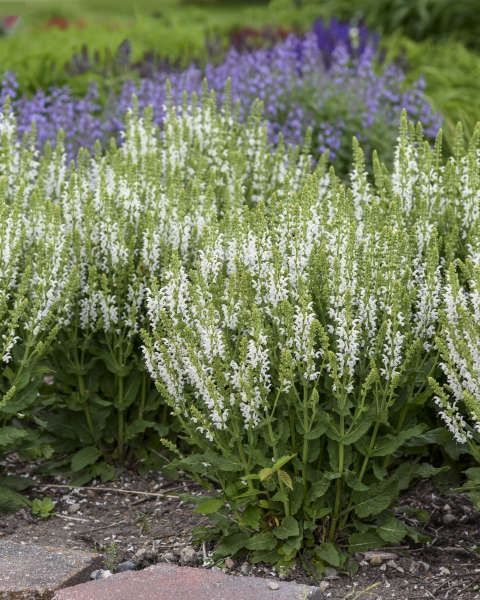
column 418, row 19
column 43, row 507
column 176, row 32
column 452, row 77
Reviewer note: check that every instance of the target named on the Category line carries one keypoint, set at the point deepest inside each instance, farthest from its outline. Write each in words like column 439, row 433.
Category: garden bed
column 154, row 525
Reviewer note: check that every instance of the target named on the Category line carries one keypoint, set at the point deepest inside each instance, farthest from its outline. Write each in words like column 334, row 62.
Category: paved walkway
column 170, row 582
column 35, row 572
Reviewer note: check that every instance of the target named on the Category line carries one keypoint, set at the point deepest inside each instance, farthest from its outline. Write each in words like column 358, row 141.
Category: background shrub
column 329, row 81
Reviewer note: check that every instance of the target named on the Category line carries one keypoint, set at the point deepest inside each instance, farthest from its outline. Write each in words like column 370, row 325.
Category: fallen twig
column 103, row 527
column 111, row 489
column 67, row 518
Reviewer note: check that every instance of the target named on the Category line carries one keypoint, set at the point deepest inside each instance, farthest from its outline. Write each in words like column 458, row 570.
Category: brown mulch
column 156, row 526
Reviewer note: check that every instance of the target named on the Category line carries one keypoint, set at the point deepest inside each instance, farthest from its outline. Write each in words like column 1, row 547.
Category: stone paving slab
column 170, row 582
column 30, row 572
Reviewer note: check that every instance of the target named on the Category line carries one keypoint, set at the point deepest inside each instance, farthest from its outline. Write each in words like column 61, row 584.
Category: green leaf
column 318, row 489
column 261, row 541
column 223, row 463
column 354, row 483
column 287, row 529
column 140, row 426
column 43, row 508
column 131, row 391
column 283, row 461
column 266, row 473
column 85, row 457
column 473, row 474
column 316, row 433
column 11, row 501
column 289, row 549
column 359, row 542
column 329, row 554
column 357, row 432
column 19, row 484
column 105, row 471
column 392, row 530
column 251, row 517
column 374, row 501
column 231, row 544
column 390, row 443
column 285, row 479
column 9, row 436
column 209, row 506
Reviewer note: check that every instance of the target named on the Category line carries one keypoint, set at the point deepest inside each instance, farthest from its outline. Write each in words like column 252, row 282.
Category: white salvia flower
column 453, row 419
column 303, row 342
column 405, row 174
column 392, row 350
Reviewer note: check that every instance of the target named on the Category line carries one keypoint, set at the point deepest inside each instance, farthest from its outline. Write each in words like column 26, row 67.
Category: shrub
column 295, row 353
column 124, row 212
column 37, row 275
column 418, row 20
column 451, row 86
column 457, row 394
column 288, row 316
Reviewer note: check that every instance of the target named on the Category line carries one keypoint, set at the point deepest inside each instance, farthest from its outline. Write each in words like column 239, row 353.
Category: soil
column 156, row 525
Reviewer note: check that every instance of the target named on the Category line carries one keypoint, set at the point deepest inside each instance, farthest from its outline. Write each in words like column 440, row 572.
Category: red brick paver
column 34, row 572
column 170, row 582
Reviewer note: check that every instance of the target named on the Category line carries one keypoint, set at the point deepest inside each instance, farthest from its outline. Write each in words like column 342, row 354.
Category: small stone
column 331, row 573
column 188, row 556
column 447, row 508
column 448, row 518
column 144, row 557
column 169, row 557
column 377, row 558
column 73, row 508
column 229, row 563
column 363, row 563
column 100, row 574
column 444, row 571
column 140, row 554
column 245, row 568
column 393, row 565
column 126, row 565
column 323, row 586
column 425, row 566
column 273, row 585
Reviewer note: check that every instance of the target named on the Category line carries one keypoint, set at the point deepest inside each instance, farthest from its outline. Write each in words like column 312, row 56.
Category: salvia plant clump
column 114, row 220
column 282, row 335
column 296, row 352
